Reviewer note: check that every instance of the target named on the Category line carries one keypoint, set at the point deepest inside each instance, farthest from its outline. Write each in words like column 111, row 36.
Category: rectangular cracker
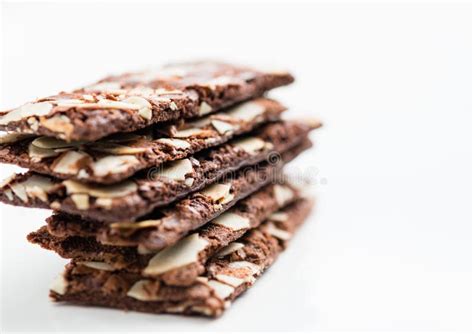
column 132, row 101
column 156, row 187
column 164, row 227
column 247, row 214
column 119, row 156
column 226, row 277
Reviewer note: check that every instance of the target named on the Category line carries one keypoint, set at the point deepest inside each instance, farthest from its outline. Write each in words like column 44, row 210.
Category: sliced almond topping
column 52, row 143
column 35, row 186
column 60, row 123
column 271, row 229
column 189, row 133
column 250, row 145
column 36, row 192
column 279, row 217
column 144, row 107
column 232, row 221
column 230, row 280
column 217, row 192
column 104, row 202
column 7, row 180
column 189, row 181
column 176, row 143
column 113, row 148
column 177, row 170
column 109, row 191
column 144, row 290
column 59, row 285
column 200, row 123
column 114, row 164
column 230, row 248
column 282, row 194
column 145, row 113
column 97, row 265
column 81, row 201
column 13, row 137
column 182, row 253
column 69, row 162
column 204, row 108
column 20, row 191
column 112, row 104
column 33, row 123
column 27, row 110
column 252, row 267
column 222, row 290
column 246, row 111
column 9, row 194
column 137, row 225
column 37, row 154
column 222, row 127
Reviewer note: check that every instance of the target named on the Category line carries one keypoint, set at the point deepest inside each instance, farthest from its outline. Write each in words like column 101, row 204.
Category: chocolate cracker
column 133, row 101
column 227, row 275
column 217, row 234
column 119, row 156
column 164, row 227
column 157, row 187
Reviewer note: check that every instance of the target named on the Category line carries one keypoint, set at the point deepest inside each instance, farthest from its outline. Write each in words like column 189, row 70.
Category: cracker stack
column 164, row 184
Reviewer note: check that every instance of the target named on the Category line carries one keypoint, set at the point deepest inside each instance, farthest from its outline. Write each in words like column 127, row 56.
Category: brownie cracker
column 217, row 234
column 119, row 156
column 166, row 226
column 227, row 275
column 133, row 101
column 156, row 187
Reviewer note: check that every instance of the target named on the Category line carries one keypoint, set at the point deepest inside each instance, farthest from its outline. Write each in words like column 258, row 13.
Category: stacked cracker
column 163, row 184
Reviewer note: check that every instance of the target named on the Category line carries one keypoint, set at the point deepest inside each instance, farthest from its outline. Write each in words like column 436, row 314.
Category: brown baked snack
column 157, row 187
column 119, row 156
column 164, row 227
column 227, row 275
column 184, row 269
column 132, row 101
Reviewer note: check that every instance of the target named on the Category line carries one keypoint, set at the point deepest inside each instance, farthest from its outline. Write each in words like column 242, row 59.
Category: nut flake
column 69, row 162
column 144, row 107
column 110, row 191
column 232, row 221
column 222, row 290
column 60, row 123
column 222, row 127
column 184, row 252
column 114, row 164
column 217, row 192
column 176, row 143
column 177, row 170
column 204, row 108
column 27, row 110
column 81, row 201
column 97, row 265
column 230, row 248
column 282, row 194
column 246, row 111
column 271, row 229
column 13, row 137
column 59, row 285
column 250, row 145
column 144, row 290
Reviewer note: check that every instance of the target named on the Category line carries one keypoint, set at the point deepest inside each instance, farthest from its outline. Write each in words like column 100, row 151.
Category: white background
column 389, row 246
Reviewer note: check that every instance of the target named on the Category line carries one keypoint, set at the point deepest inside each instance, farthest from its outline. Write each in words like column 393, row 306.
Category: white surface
column 389, row 247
